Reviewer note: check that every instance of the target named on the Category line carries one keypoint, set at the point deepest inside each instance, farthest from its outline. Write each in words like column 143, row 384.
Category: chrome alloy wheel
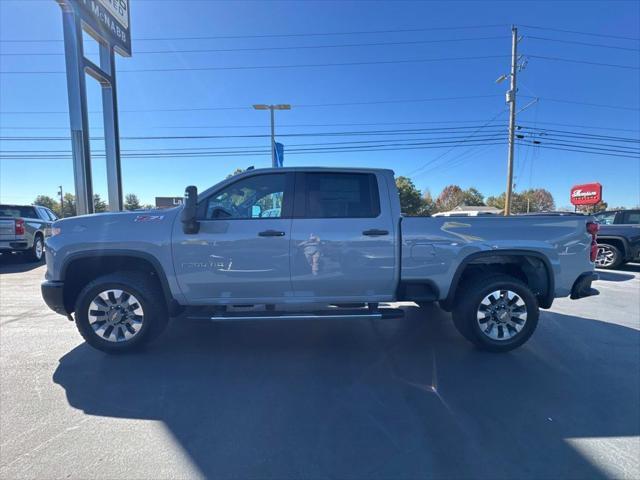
column 38, row 248
column 501, row 315
column 606, row 256
column 115, row 315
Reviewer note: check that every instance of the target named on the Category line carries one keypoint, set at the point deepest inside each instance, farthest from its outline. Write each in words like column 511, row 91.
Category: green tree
column 598, row 207
column 47, row 201
column 536, row 200
column 99, row 205
column 69, row 205
column 428, row 206
column 532, row 200
column 496, row 202
column 132, row 202
column 472, row 197
column 410, row 199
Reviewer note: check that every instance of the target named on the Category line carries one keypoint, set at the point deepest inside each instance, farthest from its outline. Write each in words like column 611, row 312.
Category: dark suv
column 619, row 237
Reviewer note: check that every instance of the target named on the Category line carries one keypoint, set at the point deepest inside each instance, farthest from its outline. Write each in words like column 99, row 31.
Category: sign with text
column 587, row 194
column 107, row 18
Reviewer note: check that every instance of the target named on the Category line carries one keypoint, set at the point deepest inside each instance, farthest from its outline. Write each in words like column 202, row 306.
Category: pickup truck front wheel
column 496, row 312
column 120, row 312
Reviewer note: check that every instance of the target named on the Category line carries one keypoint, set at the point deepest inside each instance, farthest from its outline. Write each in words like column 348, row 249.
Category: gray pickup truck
column 299, row 237
column 24, row 228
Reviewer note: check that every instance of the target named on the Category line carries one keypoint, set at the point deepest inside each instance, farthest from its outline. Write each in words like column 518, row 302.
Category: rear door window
column 631, row 218
column 340, row 195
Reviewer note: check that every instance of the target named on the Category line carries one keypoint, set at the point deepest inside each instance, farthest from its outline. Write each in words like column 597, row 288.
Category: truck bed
column 434, row 248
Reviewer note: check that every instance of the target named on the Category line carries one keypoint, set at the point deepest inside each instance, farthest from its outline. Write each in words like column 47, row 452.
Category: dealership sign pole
column 107, row 21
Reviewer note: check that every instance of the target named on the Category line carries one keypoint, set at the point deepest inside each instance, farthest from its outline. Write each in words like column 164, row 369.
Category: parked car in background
column 23, row 228
column 618, row 238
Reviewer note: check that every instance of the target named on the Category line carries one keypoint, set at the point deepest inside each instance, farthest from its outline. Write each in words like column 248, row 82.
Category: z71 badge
column 149, row 218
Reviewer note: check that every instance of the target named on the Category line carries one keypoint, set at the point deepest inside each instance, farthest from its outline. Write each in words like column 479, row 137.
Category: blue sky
column 404, row 92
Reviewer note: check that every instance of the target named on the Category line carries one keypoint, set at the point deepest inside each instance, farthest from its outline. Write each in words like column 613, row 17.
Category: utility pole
column 511, row 99
column 272, row 109
column 61, row 202
column 274, row 163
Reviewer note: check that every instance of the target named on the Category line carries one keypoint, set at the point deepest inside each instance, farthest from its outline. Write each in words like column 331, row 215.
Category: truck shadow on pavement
column 609, row 276
column 17, row 263
column 358, row 399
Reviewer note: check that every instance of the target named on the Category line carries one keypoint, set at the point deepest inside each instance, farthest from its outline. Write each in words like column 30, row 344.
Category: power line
column 585, row 151
column 245, row 136
column 301, row 125
column 485, row 125
column 323, row 65
column 583, row 62
column 575, row 102
column 593, row 34
column 277, row 35
column 267, row 67
column 260, row 49
column 575, row 42
column 496, row 129
column 335, row 104
column 296, row 105
column 567, row 133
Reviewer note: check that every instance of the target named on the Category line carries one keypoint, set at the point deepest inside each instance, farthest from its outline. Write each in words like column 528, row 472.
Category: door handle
column 271, row 233
column 374, row 232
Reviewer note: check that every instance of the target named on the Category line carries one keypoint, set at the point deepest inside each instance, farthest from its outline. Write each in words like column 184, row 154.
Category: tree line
column 414, row 202
column 68, row 207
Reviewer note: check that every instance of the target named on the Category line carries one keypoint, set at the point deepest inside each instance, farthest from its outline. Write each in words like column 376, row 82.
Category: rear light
column 592, row 229
column 19, row 229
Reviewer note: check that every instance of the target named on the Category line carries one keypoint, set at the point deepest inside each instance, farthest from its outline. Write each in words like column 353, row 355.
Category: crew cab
column 299, row 237
column 23, row 228
column 618, row 238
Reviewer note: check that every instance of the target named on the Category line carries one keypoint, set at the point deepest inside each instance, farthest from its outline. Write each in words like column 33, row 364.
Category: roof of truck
column 330, row 169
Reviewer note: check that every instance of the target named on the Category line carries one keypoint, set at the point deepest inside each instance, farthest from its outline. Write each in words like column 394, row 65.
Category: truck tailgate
column 7, row 229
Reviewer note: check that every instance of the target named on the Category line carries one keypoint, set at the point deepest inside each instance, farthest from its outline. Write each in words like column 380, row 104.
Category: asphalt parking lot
column 335, row 399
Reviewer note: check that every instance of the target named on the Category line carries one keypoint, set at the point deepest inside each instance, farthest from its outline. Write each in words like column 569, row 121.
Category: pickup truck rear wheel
column 121, row 312
column 496, row 312
column 609, row 256
column 36, row 252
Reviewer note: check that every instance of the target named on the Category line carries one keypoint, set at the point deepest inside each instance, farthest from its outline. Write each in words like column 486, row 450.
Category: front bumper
column 53, row 295
column 582, row 286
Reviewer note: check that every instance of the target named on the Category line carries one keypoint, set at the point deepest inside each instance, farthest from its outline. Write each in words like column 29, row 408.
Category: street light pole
column 272, row 109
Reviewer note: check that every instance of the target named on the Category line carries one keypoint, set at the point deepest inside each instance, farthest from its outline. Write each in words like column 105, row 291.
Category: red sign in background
column 586, row 194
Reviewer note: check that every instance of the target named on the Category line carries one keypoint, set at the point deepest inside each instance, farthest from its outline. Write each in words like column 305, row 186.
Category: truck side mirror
column 188, row 214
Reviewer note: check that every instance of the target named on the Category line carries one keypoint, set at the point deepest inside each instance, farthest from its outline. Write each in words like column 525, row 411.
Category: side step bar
column 342, row 314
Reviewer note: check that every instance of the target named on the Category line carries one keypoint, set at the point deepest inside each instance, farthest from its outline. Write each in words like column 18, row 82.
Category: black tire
column 612, row 256
column 36, row 252
column 147, row 293
column 467, row 304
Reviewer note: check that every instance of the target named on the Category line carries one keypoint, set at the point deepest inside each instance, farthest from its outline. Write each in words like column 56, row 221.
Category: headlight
column 55, row 231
